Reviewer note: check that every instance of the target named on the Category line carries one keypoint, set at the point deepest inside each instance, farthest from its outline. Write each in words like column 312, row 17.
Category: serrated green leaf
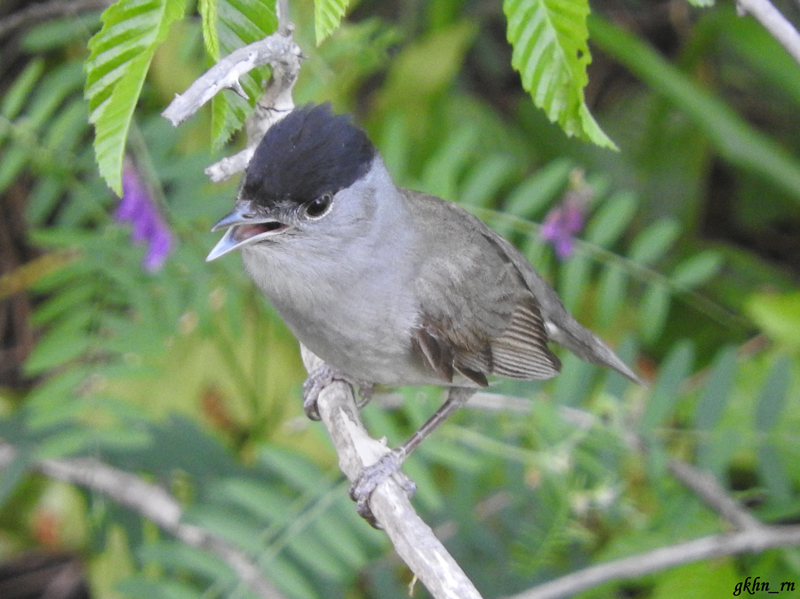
column 238, row 23
column 208, row 16
column 697, row 270
column 653, row 242
column 551, row 54
column 120, row 55
column 612, row 218
column 327, row 16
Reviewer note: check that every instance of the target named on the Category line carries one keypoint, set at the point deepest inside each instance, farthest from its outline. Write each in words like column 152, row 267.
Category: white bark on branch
column 280, row 51
column 151, row 502
column 412, row 538
column 774, row 22
column 753, row 540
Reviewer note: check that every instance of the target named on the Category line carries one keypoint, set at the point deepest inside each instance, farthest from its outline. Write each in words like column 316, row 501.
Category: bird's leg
column 374, row 474
column 321, row 378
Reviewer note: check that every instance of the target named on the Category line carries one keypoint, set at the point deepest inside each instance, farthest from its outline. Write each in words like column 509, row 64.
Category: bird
column 388, row 285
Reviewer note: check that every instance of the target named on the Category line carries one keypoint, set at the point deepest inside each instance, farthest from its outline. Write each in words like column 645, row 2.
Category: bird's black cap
column 310, row 152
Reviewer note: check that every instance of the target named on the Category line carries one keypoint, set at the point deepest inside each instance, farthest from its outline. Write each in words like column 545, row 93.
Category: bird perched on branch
column 389, row 285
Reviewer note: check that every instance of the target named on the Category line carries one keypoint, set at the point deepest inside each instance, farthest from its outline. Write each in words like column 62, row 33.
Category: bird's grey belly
column 375, row 352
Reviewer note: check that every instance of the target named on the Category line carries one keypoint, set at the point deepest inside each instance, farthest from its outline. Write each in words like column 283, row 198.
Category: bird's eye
column 319, row 207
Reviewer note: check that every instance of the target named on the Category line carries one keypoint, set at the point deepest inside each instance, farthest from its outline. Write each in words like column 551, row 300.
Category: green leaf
column 139, row 586
column 574, row 281
column 259, row 499
column 485, row 179
column 208, row 16
column 697, row 270
column 611, row 294
column 444, row 169
column 327, row 16
column 677, row 367
column 612, row 218
column 715, row 392
column 654, row 241
column 238, row 23
column 16, row 97
column 13, row 473
column 773, row 396
column 120, row 55
column 772, row 470
column 177, row 556
column 551, row 54
column 653, row 311
column 777, row 314
column 531, row 196
column 735, row 139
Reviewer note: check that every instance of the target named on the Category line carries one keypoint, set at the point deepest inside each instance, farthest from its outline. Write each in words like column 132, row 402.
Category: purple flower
column 138, row 208
column 562, row 223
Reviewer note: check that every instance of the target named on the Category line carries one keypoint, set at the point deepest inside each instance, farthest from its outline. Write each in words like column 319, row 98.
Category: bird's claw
column 313, row 386
column 373, row 475
column 321, row 378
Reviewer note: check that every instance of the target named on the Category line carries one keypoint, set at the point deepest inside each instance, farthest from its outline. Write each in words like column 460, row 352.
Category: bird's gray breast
column 353, row 307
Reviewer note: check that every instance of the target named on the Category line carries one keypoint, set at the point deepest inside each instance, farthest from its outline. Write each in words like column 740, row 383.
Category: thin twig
column 774, row 22
column 278, row 50
column 151, row 502
column 751, row 540
column 412, row 538
column 706, row 487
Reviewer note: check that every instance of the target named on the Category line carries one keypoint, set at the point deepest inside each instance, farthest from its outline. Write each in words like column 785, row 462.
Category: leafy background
column 688, row 264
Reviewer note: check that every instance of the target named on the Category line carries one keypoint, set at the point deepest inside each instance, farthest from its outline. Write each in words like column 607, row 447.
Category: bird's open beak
column 245, row 226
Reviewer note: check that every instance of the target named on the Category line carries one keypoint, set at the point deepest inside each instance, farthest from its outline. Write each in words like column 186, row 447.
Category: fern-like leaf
column 327, row 16
column 238, row 23
column 115, row 70
column 551, row 54
column 208, row 14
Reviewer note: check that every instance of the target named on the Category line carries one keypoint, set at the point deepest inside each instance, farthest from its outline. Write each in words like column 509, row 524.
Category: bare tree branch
column 706, row 487
column 151, row 502
column 774, row 22
column 412, row 538
column 751, row 540
column 278, row 50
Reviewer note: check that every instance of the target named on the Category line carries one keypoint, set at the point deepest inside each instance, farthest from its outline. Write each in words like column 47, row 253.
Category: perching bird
column 389, row 285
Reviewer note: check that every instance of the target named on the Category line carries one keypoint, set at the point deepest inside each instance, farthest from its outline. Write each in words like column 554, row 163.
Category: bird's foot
column 373, row 475
column 313, row 386
column 321, row 378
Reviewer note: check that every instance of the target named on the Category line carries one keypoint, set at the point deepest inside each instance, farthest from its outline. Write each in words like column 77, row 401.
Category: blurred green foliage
column 187, row 377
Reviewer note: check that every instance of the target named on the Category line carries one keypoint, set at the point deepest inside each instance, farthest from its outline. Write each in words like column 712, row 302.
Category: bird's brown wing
column 477, row 315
